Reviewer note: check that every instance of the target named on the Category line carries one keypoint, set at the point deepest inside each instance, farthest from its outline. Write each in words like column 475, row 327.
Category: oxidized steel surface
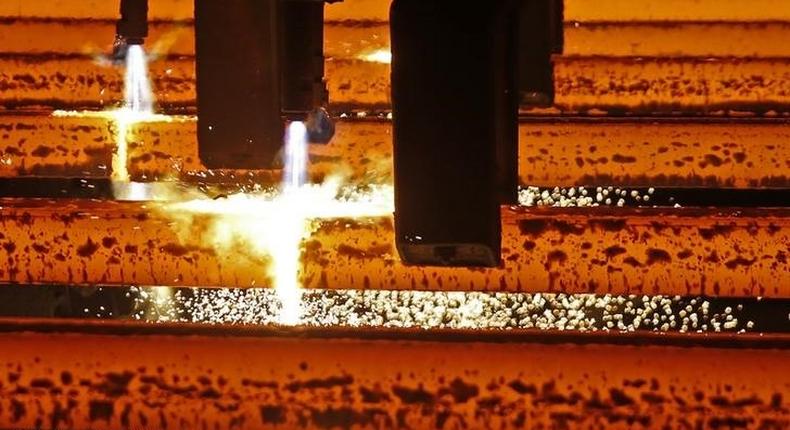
column 677, row 10
column 34, row 36
column 649, row 84
column 671, row 84
column 168, row 10
column 678, row 39
column 686, row 252
column 92, row 9
column 352, row 39
column 89, row 36
column 644, row 153
column 38, row 145
column 81, row 81
column 169, row 382
column 48, row 146
column 584, row 83
column 599, row 250
column 378, row 10
column 551, row 153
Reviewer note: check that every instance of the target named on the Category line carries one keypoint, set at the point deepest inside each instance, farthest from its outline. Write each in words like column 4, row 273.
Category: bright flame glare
column 138, row 107
column 383, row 56
column 137, row 96
column 294, row 174
column 270, row 224
column 274, row 225
column 122, row 120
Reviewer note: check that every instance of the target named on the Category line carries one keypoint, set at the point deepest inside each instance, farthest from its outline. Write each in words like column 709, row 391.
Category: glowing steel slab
column 362, row 39
column 175, row 39
column 78, row 80
column 582, row 83
column 726, row 153
column 91, row 37
column 625, row 251
column 91, row 9
column 644, row 153
column 677, row 10
column 678, row 39
column 169, row 10
column 70, row 380
column 378, row 10
column 673, row 84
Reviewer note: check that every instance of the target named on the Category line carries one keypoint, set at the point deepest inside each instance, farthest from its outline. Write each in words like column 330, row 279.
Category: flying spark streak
column 273, row 225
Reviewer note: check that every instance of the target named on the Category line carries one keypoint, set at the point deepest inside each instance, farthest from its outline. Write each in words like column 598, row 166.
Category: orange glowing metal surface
column 171, row 381
column 674, row 84
column 706, row 56
column 673, row 38
column 79, row 81
column 551, row 153
column 650, row 251
column 378, row 10
column 677, row 10
column 650, row 153
column 746, row 72
column 175, row 39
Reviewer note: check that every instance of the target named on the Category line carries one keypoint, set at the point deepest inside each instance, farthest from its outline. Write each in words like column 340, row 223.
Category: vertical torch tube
column 302, row 57
column 454, row 128
column 133, row 25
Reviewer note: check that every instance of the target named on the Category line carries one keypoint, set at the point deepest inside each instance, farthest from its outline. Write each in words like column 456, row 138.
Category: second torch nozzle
column 131, row 28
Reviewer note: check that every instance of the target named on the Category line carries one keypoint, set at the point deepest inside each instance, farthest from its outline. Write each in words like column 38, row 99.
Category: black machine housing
column 259, row 64
column 459, row 72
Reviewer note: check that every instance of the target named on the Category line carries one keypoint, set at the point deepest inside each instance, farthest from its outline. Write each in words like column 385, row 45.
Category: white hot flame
column 274, row 226
column 294, row 174
column 137, row 97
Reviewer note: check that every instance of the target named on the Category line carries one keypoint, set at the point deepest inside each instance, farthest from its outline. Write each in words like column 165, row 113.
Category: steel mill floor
column 644, row 283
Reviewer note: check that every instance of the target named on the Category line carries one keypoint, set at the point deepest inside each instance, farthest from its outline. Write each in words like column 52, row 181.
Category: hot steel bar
column 371, row 40
column 168, row 10
column 690, row 251
column 378, row 10
column 266, row 380
column 174, row 39
column 581, row 83
column 678, row 39
column 745, row 153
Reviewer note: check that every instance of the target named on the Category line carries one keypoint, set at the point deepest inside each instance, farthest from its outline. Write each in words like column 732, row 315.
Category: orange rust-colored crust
column 677, row 10
column 614, row 84
column 81, row 81
column 91, row 9
column 648, row 251
column 646, row 153
column 48, row 146
column 671, row 84
column 678, row 39
column 581, row 83
column 353, row 39
column 169, row 10
column 603, row 250
column 166, row 381
column 378, row 10
column 174, row 39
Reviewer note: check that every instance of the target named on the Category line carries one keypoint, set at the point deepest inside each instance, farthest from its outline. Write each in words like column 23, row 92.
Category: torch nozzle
column 131, row 28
